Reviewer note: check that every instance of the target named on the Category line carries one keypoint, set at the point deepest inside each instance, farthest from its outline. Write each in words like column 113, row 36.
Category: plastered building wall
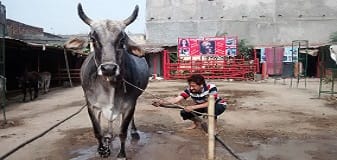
column 261, row 22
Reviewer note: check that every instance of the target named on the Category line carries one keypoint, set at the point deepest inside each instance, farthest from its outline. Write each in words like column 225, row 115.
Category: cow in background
column 45, row 81
column 333, row 52
column 29, row 80
column 115, row 63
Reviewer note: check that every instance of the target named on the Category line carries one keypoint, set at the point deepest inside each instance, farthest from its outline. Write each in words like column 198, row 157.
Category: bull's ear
column 76, row 44
column 136, row 50
column 133, row 48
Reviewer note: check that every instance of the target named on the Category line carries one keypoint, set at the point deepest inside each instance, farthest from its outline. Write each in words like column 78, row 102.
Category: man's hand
column 188, row 109
column 167, row 101
column 157, row 102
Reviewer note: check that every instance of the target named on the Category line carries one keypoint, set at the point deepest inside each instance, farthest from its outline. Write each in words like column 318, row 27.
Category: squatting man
column 199, row 91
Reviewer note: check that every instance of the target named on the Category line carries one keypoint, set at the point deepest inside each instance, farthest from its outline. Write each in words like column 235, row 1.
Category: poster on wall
column 183, row 47
column 231, row 46
column 206, row 47
column 219, row 46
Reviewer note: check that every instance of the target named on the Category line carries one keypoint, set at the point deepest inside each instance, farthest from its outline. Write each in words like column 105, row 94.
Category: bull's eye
column 93, row 38
column 95, row 42
column 121, row 43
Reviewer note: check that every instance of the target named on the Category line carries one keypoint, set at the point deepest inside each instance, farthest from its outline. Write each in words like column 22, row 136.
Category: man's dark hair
column 197, row 78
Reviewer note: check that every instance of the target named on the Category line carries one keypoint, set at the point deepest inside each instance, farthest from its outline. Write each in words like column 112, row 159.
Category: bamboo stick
column 211, row 140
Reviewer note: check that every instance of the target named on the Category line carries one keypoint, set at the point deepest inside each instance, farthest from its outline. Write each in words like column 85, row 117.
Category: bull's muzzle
column 108, row 70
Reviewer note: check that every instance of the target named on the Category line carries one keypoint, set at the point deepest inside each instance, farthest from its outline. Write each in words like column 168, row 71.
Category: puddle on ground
column 163, row 145
column 85, row 153
column 90, row 152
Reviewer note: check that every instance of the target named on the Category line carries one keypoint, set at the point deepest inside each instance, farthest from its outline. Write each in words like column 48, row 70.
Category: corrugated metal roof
column 311, row 45
column 29, row 44
column 153, row 50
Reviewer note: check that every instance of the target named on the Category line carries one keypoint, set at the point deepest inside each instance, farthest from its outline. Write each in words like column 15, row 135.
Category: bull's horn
column 132, row 18
column 82, row 15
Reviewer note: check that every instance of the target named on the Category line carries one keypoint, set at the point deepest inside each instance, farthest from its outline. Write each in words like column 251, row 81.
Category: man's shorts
column 220, row 107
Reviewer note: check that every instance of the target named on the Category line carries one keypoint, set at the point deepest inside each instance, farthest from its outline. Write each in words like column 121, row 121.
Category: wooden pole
column 3, row 96
column 67, row 66
column 154, row 66
column 211, row 140
column 38, row 63
column 3, row 91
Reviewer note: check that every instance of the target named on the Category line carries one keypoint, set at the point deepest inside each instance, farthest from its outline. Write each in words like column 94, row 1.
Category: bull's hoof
column 135, row 136
column 104, row 152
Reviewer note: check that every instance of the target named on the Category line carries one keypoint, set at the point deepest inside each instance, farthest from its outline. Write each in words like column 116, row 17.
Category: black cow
column 29, row 80
column 115, row 60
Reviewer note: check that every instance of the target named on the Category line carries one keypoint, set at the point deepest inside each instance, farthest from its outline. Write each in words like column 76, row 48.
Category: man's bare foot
column 193, row 126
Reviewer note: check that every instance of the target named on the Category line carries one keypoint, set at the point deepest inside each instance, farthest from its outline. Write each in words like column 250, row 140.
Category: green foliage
column 173, row 57
column 333, row 37
column 245, row 50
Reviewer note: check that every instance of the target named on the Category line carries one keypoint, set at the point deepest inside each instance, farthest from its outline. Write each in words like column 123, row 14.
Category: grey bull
column 115, row 62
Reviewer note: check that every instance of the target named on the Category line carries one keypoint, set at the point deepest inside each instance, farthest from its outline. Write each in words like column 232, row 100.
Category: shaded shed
column 21, row 56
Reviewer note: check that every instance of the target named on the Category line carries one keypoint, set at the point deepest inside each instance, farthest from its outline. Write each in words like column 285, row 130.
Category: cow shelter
column 213, row 57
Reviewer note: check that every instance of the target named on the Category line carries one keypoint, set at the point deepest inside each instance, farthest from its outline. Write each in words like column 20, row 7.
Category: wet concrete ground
column 263, row 121
column 163, row 145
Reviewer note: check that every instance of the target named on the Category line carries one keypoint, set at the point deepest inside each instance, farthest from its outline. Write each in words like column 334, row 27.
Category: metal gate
column 212, row 67
column 301, row 63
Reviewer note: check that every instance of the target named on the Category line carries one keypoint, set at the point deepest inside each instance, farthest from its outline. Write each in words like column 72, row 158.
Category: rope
column 177, row 105
column 204, row 126
column 230, row 150
column 40, row 135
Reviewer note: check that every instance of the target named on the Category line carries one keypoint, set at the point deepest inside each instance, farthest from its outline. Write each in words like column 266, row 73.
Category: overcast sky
column 60, row 16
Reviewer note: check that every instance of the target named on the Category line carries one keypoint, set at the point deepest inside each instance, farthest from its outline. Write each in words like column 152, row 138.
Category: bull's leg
column 134, row 133
column 102, row 149
column 106, row 138
column 24, row 91
column 128, row 115
column 30, row 92
column 36, row 90
column 95, row 124
column 47, row 85
column 44, row 86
